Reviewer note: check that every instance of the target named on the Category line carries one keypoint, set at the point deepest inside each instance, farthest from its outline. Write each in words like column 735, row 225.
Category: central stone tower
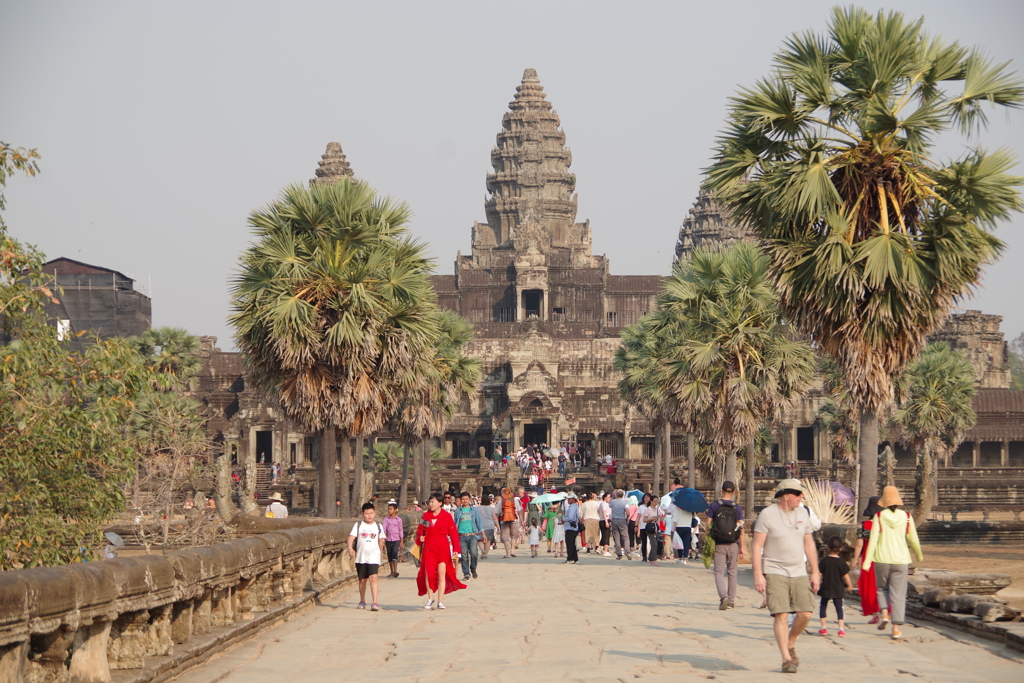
column 546, row 311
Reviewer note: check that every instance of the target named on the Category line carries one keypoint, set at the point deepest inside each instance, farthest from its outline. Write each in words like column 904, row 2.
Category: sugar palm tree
column 935, row 413
column 714, row 354
column 829, row 160
column 446, row 377
column 333, row 311
column 172, row 353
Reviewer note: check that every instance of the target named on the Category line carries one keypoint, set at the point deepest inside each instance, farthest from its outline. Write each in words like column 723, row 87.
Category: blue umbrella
column 636, row 492
column 690, row 500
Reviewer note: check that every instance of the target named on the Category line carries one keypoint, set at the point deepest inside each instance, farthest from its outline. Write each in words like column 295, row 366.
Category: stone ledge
column 201, row 649
column 1008, row 633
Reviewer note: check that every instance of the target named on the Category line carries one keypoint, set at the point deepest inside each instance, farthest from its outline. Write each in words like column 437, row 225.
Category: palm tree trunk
column 371, row 444
column 425, row 448
column 691, row 474
column 357, row 475
column 346, row 481
column 730, row 465
column 403, row 490
column 924, row 481
column 867, row 447
column 656, row 481
column 749, row 465
column 719, row 469
column 326, row 482
column 667, row 454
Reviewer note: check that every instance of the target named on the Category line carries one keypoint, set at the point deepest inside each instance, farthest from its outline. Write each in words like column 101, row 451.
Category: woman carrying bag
column 893, row 536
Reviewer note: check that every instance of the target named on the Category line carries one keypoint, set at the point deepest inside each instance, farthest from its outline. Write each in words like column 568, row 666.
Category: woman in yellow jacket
column 893, row 536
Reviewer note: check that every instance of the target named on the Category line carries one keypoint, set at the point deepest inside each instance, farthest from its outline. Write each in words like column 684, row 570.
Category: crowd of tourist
column 459, row 531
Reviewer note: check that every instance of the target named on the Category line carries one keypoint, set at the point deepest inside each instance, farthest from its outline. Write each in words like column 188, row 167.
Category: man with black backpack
column 727, row 531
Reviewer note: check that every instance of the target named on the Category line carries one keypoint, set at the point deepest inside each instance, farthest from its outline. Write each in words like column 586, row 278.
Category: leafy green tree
column 67, row 452
column 830, row 160
column 14, row 159
column 935, row 413
column 333, row 310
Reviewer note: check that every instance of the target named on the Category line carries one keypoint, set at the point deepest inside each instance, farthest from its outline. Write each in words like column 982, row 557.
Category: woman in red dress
column 439, row 537
column 866, row 581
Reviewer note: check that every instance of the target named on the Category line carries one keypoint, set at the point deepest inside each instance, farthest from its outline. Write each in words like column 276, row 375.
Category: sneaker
column 629, row 556
column 429, row 605
column 678, row 561
column 842, row 633
column 823, row 632
column 896, row 635
column 793, row 658
column 883, row 623
column 374, row 607
column 440, row 605
column 465, row 577
column 396, row 575
column 567, row 562
column 474, row 573
column 788, row 667
column 618, row 557
column 685, row 562
column 361, row 605
column 606, row 554
column 732, row 605
column 724, row 604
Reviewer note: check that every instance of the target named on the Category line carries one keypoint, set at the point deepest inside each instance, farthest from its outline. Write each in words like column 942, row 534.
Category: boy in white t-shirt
column 365, row 544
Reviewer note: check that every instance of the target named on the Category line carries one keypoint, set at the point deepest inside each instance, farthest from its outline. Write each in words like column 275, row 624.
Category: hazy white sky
column 162, row 125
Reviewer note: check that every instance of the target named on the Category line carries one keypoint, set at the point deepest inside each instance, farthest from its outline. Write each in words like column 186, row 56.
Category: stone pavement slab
column 602, row 620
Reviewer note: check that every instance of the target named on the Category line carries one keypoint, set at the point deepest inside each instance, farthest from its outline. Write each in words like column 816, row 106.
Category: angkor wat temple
column 547, row 313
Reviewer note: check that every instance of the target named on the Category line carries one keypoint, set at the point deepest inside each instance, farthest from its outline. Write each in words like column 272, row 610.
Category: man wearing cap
column 277, row 507
column 727, row 553
column 783, row 538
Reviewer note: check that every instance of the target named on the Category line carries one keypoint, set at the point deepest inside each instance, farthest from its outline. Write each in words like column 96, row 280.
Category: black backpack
column 726, row 523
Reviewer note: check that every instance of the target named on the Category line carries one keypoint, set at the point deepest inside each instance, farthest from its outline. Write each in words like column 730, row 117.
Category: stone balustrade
column 78, row 623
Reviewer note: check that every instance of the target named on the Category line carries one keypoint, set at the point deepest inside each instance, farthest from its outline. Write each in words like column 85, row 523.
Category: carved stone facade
column 546, row 311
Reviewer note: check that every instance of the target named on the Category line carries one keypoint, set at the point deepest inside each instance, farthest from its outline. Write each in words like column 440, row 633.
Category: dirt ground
column 982, row 559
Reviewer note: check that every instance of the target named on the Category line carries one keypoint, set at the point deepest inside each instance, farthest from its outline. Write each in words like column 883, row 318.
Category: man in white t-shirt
column 365, row 544
column 783, row 546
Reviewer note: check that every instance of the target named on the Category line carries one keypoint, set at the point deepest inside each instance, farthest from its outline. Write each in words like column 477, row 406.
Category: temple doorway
column 535, row 433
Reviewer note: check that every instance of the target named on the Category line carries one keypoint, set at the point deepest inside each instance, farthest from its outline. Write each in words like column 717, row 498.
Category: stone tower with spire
column 708, row 224
column 546, row 311
column 333, row 165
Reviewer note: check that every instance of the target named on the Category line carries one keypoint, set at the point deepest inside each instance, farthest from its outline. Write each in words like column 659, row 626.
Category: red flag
column 570, row 481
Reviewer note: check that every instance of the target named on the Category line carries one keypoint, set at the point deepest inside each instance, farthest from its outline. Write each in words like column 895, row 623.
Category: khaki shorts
column 789, row 594
column 507, row 531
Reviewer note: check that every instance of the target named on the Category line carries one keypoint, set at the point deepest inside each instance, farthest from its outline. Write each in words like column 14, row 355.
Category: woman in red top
column 439, row 537
column 866, row 582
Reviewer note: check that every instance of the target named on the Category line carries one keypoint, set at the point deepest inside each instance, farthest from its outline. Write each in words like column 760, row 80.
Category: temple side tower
column 708, row 224
column 333, row 165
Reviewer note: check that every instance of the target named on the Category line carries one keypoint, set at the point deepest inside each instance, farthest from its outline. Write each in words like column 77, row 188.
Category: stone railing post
column 126, row 649
column 181, row 622
column 50, row 664
column 157, row 638
column 202, row 613
column 89, row 653
column 222, row 612
column 12, row 661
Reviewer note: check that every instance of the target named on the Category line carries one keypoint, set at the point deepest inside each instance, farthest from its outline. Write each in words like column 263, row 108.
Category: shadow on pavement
column 696, row 661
